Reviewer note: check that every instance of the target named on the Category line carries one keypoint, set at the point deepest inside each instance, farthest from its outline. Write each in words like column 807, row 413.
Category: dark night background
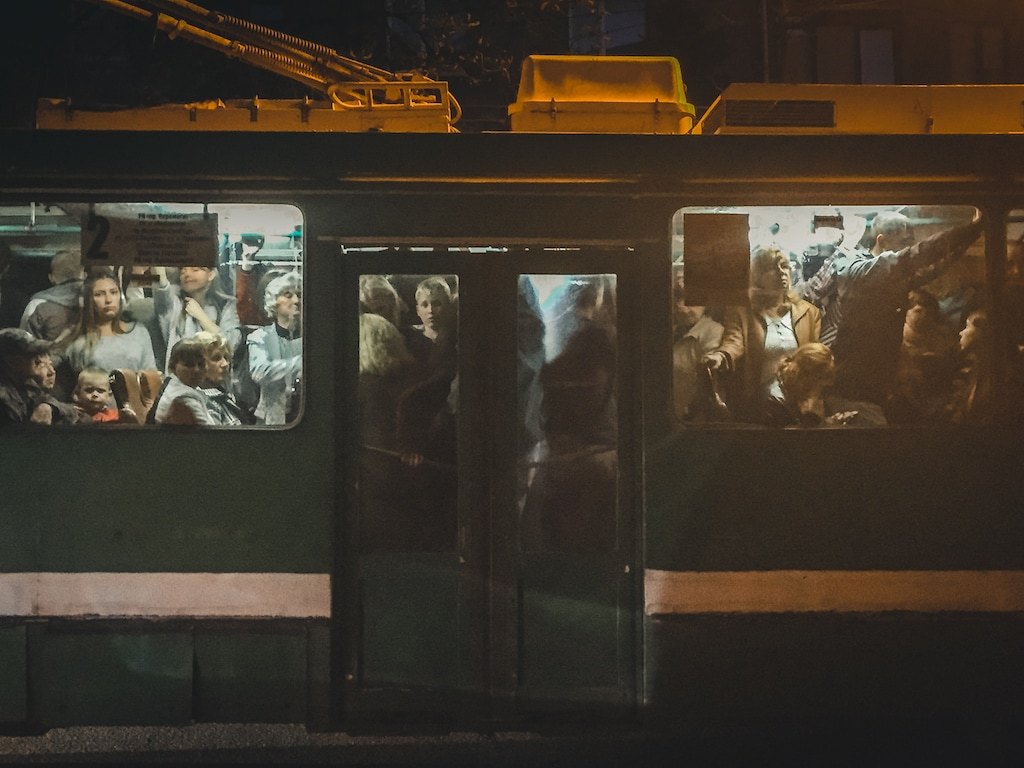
column 70, row 48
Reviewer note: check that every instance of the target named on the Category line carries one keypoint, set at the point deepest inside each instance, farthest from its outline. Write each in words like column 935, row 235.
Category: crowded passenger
column 93, row 395
column 926, row 365
column 53, row 313
column 805, row 380
column 104, row 338
column 223, row 407
column 870, row 292
column 694, row 334
column 25, row 368
column 571, row 495
column 181, row 401
column 385, row 372
column 756, row 337
column 275, row 351
column 431, row 341
column 973, row 400
column 378, row 296
column 195, row 304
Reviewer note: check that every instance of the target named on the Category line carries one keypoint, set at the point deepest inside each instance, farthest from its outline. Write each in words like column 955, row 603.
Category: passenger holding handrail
column 196, row 304
column 758, row 336
column 870, row 294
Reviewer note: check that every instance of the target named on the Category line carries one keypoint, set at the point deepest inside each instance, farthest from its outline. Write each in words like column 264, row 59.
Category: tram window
column 567, row 412
column 832, row 317
column 408, row 409
column 160, row 313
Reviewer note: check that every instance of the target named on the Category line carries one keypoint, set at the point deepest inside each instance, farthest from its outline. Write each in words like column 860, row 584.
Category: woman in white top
column 757, row 337
column 103, row 338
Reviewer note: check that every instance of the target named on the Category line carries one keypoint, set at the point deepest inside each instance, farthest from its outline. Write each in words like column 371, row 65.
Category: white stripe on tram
column 699, row 592
column 215, row 595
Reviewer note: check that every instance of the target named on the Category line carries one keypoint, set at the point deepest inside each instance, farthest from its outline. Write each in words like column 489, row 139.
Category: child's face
column 432, row 308
column 191, row 374
column 92, row 394
column 43, row 371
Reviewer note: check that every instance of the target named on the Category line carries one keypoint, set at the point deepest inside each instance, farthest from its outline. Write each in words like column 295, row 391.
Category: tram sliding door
column 563, row 531
column 490, row 546
column 412, row 614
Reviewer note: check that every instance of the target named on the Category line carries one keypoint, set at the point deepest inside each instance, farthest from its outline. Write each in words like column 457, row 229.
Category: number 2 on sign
column 96, row 251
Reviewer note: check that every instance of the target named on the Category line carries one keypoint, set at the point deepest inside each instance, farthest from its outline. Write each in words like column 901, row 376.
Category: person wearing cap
column 24, row 362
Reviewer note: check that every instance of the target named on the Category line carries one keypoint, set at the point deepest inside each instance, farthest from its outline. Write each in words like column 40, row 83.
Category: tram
column 568, row 544
column 172, row 575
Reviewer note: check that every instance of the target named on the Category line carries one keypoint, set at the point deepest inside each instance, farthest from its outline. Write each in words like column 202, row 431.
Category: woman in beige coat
column 758, row 336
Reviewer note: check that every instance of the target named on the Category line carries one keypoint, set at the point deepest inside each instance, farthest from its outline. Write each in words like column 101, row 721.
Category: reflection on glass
column 844, row 316
column 567, row 409
column 191, row 312
column 408, row 409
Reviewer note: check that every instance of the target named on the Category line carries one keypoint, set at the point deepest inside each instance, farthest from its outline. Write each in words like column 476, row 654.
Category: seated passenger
column 103, row 338
column 222, row 405
column 275, row 351
column 758, row 336
column 94, row 397
column 26, row 375
column 181, row 401
column 54, row 312
column 196, row 304
column 806, row 378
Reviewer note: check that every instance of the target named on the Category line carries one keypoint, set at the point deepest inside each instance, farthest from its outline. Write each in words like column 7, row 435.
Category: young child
column 92, row 394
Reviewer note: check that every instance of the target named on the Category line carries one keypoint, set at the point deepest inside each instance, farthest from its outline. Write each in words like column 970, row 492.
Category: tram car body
column 683, row 572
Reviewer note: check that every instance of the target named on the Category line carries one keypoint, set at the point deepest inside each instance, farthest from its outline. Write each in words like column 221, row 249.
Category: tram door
column 490, row 556
column 563, row 526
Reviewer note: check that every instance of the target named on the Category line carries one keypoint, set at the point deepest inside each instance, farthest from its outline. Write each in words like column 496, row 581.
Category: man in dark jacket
column 24, row 367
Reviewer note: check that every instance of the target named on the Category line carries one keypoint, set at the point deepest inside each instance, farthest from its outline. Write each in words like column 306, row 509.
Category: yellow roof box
column 601, row 94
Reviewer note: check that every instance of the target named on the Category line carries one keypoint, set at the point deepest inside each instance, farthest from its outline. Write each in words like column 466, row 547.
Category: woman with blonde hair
column 758, row 336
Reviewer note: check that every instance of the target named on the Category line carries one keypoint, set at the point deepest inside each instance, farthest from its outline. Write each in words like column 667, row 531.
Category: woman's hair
column 809, row 368
column 289, row 281
column 212, row 341
column 188, row 351
column 381, row 346
column 378, row 296
column 87, row 328
column 763, row 260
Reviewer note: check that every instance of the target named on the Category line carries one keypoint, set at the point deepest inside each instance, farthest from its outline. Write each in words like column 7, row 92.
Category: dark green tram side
column 481, row 631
